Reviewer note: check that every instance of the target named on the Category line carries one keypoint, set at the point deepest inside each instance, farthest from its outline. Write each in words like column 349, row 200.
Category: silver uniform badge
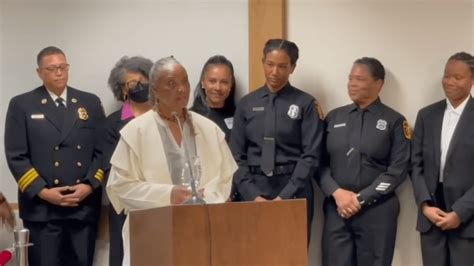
column 293, row 111
column 381, row 124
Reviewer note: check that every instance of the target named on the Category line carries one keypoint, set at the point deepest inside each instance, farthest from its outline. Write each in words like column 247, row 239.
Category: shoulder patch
column 319, row 109
column 407, row 130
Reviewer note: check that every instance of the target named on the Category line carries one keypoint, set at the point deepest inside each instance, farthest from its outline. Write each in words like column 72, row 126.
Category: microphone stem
column 195, row 199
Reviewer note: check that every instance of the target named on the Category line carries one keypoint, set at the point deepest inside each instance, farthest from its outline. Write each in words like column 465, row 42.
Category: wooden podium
column 240, row 233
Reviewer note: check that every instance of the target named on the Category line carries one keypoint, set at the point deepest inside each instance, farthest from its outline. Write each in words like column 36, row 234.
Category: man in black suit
column 443, row 169
column 50, row 145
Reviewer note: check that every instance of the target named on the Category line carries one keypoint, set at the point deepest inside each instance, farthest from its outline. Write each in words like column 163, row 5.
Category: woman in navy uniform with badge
column 367, row 156
column 128, row 81
column 277, row 133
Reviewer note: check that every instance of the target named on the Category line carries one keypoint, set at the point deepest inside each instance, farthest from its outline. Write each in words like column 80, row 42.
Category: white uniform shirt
column 54, row 96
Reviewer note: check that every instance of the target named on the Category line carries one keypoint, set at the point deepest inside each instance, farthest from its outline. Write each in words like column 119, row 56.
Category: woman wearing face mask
column 129, row 83
column 214, row 94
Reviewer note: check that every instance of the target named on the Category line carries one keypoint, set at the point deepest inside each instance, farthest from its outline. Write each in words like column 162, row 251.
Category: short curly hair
column 135, row 64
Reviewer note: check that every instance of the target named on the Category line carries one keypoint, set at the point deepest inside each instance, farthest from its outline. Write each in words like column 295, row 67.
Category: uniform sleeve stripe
column 27, row 184
column 99, row 177
column 99, row 174
column 27, row 179
column 25, row 175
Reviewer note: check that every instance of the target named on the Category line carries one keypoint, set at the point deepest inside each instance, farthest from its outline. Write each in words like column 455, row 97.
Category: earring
column 125, row 97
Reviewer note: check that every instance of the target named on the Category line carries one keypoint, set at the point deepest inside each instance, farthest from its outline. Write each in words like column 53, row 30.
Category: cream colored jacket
column 140, row 179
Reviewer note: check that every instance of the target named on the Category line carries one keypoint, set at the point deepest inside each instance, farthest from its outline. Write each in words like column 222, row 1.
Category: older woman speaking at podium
column 161, row 151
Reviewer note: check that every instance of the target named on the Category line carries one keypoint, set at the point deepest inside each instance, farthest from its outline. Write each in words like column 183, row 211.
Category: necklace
column 171, row 118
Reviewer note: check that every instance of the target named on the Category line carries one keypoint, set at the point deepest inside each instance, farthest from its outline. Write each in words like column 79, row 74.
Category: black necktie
column 354, row 145
column 61, row 109
column 268, row 153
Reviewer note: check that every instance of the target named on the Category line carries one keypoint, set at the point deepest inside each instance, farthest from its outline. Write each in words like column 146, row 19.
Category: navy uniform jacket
column 297, row 137
column 43, row 152
column 384, row 152
column 113, row 125
column 458, row 178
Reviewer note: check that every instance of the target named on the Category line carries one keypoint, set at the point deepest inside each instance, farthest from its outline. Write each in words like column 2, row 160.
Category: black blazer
column 111, row 137
column 43, row 151
column 459, row 168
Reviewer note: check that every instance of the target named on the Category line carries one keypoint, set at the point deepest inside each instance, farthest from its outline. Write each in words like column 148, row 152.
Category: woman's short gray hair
column 163, row 64
column 135, row 64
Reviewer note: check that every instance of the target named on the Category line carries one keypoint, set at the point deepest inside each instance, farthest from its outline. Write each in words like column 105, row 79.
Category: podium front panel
column 233, row 234
column 173, row 235
column 259, row 234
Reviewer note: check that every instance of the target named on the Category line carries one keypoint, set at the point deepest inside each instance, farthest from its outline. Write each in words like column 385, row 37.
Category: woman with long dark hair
column 214, row 95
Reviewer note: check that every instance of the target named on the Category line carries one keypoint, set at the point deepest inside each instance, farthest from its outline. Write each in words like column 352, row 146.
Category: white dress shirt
column 63, row 96
column 450, row 121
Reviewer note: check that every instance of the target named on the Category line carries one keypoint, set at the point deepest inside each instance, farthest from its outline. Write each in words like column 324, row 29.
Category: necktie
column 61, row 109
column 268, row 153
column 354, row 143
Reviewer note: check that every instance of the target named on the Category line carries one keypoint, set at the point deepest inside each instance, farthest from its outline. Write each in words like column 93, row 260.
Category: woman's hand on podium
column 180, row 194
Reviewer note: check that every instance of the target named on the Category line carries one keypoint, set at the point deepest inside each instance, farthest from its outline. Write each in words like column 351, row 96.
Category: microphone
column 5, row 256
column 195, row 200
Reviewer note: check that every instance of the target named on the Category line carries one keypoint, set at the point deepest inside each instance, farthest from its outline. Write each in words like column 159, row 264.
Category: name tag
column 258, row 109
column 37, row 116
column 229, row 122
column 340, row 125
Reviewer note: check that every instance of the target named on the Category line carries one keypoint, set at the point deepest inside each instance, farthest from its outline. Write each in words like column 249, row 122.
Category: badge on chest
column 381, row 125
column 294, row 111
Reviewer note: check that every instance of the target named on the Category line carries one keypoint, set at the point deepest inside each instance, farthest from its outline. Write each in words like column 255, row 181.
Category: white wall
column 95, row 34
column 413, row 39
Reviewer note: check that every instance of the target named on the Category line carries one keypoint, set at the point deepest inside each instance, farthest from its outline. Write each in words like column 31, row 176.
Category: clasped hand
column 443, row 220
column 66, row 196
column 347, row 203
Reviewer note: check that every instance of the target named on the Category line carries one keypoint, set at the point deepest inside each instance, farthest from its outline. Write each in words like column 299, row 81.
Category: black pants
column 271, row 186
column 61, row 243
column 445, row 248
column 116, row 222
column 366, row 239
